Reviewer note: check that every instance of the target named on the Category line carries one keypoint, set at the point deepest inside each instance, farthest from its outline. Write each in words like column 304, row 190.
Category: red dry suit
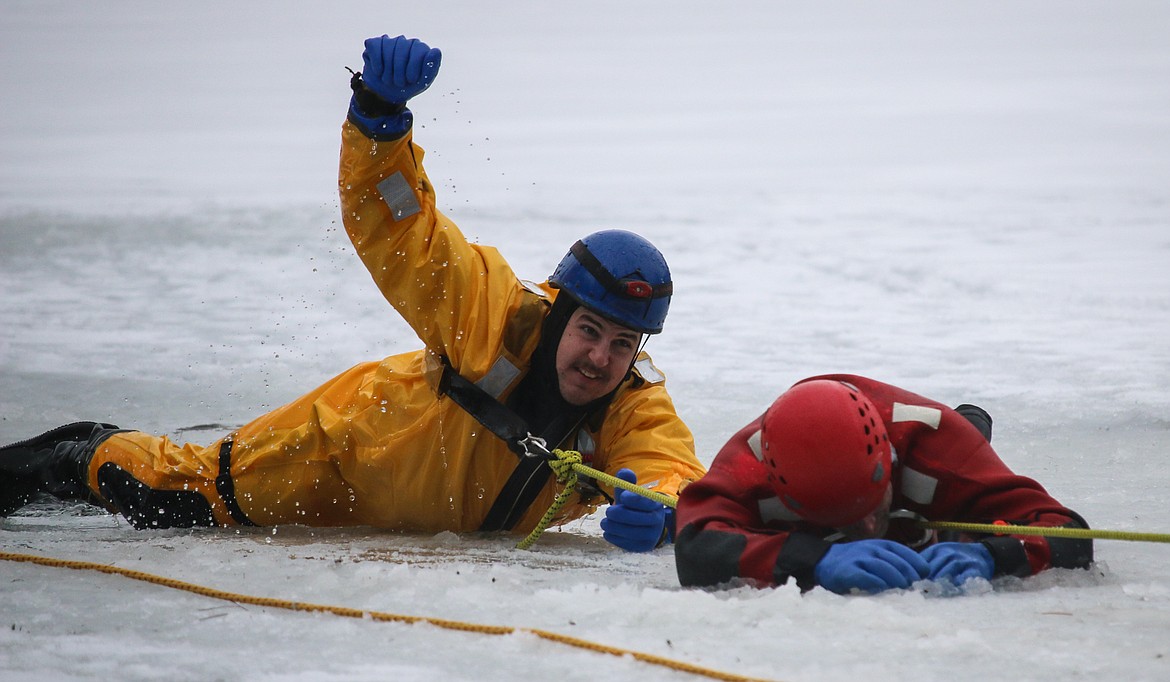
column 733, row 527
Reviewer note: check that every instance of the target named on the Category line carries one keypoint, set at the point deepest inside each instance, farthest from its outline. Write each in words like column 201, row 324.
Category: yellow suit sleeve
column 457, row 296
column 643, row 432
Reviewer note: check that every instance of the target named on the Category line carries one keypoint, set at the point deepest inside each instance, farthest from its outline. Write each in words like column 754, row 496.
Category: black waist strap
column 226, row 487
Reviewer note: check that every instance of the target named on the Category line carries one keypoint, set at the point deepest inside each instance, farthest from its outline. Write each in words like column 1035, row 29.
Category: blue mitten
column 395, row 70
column 633, row 522
column 870, row 566
column 958, row 562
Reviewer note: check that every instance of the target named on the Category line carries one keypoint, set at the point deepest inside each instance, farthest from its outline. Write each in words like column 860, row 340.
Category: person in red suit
column 828, row 485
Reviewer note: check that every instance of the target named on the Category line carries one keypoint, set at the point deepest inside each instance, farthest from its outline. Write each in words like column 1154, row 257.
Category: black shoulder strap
column 493, row 414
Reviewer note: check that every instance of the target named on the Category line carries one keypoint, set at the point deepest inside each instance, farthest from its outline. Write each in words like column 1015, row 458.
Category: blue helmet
column 620, row 276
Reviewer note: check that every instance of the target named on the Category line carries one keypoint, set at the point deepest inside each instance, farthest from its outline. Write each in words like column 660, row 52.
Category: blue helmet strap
column 628, row 288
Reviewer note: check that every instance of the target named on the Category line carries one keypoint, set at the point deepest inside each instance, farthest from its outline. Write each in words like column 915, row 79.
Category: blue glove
column 958, row 562
column 397, row 69
column 633, row 522
column 870, row 566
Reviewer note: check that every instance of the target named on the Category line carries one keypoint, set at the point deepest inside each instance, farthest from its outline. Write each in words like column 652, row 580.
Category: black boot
column 977, row 416
column 55, row 462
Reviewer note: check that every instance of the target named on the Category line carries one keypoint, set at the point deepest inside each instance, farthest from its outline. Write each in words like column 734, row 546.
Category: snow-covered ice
column 971, row 200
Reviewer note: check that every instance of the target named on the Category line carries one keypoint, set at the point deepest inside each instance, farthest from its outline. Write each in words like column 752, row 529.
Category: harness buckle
column 535, row 446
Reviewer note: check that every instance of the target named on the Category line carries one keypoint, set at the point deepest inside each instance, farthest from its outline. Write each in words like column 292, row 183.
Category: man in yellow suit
column 445, row 438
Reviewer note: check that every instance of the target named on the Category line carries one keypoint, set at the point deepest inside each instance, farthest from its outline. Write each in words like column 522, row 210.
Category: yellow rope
column 375, row 615
column 1046, row 531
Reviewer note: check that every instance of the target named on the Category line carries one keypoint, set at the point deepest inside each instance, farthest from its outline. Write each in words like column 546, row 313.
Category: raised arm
column 444, row 287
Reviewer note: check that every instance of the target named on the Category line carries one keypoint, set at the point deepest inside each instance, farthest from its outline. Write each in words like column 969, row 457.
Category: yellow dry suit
column 378, row 445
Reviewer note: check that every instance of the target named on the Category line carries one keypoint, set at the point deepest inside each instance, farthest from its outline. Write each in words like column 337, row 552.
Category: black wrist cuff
column 798, row 558
column 369, row 104
column 1009, row 555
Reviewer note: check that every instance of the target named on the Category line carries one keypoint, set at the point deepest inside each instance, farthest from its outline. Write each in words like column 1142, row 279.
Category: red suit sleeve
column 723, row 534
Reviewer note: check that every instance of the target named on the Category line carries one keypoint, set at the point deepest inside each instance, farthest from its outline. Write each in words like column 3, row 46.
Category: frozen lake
column 970, row 200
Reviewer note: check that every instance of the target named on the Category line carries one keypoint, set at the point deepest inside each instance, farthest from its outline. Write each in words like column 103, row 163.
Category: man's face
column 593, row 356
column 875, row 524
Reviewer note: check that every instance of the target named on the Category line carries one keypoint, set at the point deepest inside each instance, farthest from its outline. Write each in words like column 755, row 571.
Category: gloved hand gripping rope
column 567, row 465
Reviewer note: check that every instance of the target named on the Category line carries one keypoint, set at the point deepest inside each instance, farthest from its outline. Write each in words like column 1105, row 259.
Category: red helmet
column 826, row 452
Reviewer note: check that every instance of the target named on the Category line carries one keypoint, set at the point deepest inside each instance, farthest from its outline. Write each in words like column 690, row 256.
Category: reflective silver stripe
column 772, row 509
column 534, row 288
column 753, row 442
column 649, row 372
column 399, row 196
column 930, row 416
column 499, row 377
column 918, row 486
column 585, row 444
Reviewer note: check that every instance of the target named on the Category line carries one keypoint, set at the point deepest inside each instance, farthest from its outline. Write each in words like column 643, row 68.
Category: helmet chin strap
column 641, row 347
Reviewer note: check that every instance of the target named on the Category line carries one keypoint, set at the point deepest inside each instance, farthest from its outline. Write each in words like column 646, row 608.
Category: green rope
column 563, row 464
column 567, row 465
column 1046, row 531
column 616, row 482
